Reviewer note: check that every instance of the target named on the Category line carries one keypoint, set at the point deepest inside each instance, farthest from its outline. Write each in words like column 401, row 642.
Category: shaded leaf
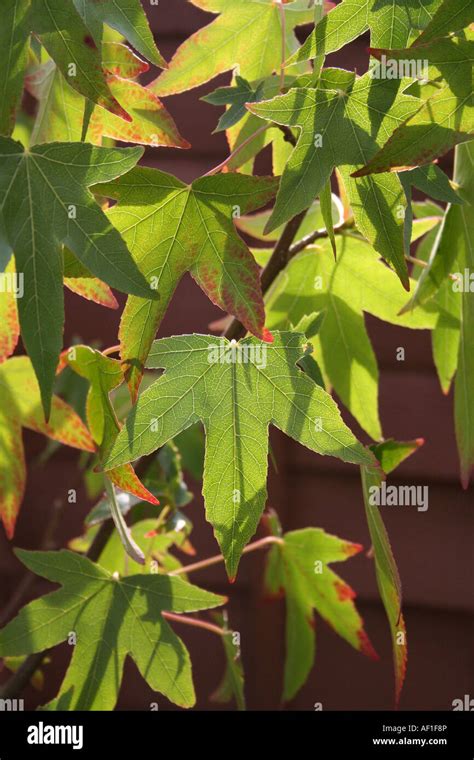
column 112, row 618
column 343, row 122
column 45, row 201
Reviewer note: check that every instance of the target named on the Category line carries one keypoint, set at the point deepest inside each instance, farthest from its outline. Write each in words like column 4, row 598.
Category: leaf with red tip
column 104, row 375
column 389, row 454
column 21, row 407
column 71, row 45
column 172, row 228
column 93, row 290
column 299, row 564
column 62, row 109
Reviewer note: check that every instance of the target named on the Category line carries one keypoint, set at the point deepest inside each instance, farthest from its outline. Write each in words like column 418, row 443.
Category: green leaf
column 357, row 282
column 446, row 118
column 112, row 618
column 104, row 375
column 128, row 18
column 44, row 201
column 463, row 395
column 390, row 454
column 342, row 123
column 298, row 566
column 255, row 224
column 232, row 685
column 390, row 25
column 9, row 325
column 61, row 111
column 173, row 228
column 21, row 407
column 236, row 97
column 247, row 34
column 72, row 46
column 237, row 390
column 451, row 16
column 14, row 47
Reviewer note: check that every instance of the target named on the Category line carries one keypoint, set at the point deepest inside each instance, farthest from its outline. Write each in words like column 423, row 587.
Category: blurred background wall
column 433, row 549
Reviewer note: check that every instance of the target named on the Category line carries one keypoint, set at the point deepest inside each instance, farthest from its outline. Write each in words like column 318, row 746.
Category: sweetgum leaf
column 21, row 407
column 44, row 201
column 14, row 46
column 61, row 112
column 172, row 228
column 447, row 117
column 129, row 19
column 237, row 390
column 112, row 618
column 246, row 33
column 451, row 16
column 357, row 282
column 298, row 566
column 390, row 25
column 463, row 236
column 341, row 123
column 104, row 375
column 390, row 454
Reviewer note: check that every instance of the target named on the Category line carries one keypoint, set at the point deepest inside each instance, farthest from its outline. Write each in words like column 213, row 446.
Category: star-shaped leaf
column 71, row 32
column 112, row 618
column 247, row 34
column 172, row 228
column 342, row 291
column 390, row 24
column 61, row 109
column 236, row 97
column 21, row 407
column 44, row 201
column 343, row 121
column 237, row 390
column 447, row 117
column 298, row 567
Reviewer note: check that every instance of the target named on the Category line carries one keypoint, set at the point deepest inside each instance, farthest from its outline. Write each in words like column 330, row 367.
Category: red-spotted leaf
column 172, row 228
column 61, row 110
column 298, row 567
column 104, row 375
column 9, row 324
column 21, row 407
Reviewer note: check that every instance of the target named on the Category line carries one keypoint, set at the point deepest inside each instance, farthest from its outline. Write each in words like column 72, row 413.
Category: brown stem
column 195, row 622
column 237, row 150
column 218, row 558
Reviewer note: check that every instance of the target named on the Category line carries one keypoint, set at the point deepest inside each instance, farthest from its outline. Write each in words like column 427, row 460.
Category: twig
column 218, row 558
column 237, row 150
column 196, row 623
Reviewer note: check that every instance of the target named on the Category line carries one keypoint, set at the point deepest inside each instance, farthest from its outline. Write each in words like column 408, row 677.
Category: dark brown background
column 433, row 549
